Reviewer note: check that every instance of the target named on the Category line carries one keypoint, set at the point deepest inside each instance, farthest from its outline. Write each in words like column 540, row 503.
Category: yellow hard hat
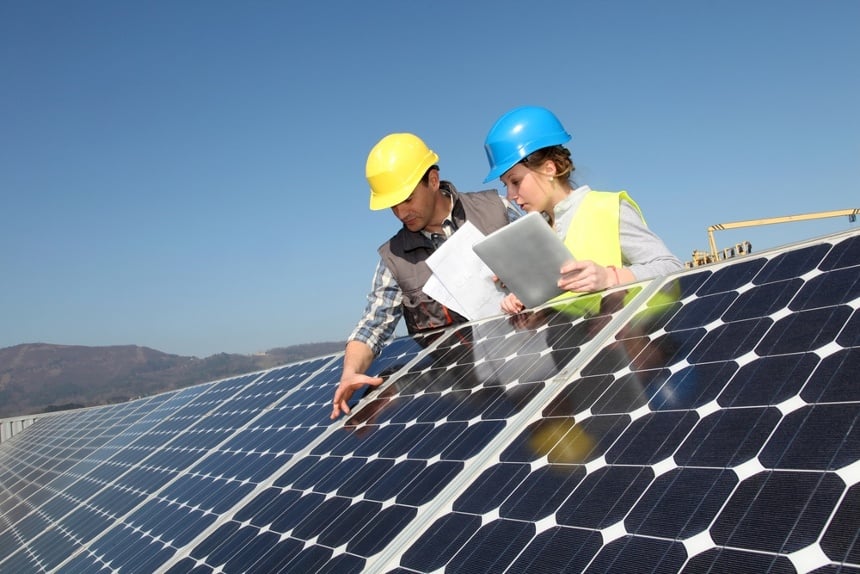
column 395, row 166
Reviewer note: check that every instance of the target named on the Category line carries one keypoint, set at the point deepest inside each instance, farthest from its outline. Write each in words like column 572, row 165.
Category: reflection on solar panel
column 709, row 422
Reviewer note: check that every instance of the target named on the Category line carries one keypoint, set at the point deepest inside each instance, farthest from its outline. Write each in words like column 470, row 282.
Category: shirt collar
column 449, row 224
column 564, row 209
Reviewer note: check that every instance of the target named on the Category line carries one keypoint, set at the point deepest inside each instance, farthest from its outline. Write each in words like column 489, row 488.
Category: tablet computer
column 527, row 256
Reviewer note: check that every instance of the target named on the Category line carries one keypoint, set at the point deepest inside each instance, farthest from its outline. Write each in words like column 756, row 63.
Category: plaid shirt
column 384, row 310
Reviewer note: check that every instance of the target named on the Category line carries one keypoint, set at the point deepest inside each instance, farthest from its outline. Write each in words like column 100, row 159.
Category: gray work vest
column 406, row 253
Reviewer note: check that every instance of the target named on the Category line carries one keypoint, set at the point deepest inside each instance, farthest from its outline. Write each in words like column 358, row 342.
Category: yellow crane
column 702, row 257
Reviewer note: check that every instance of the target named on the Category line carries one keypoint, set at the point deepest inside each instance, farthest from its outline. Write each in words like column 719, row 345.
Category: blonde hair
column 558, row 155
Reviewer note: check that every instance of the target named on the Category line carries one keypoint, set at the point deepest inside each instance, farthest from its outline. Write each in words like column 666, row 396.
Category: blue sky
column 189, row 176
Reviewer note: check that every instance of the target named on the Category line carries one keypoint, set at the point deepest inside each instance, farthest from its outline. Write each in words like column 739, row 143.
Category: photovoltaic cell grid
column 713, row 431
column 65, row 513
column 716, row 433
column 37, row 471
column 351, row 494
column 164, row 477
column 38, row 539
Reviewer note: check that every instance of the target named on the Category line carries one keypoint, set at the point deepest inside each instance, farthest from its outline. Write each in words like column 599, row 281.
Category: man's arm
column 382, row 313
column 356, row 360
column 373, row 331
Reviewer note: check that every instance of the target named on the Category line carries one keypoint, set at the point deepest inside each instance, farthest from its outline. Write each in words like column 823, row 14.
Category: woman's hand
column 586, row 277
column 511, row 305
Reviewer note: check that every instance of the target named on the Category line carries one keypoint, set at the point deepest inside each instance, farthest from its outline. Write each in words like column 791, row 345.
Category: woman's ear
column 548, row 168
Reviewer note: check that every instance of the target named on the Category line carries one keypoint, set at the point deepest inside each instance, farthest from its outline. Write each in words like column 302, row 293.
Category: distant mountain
column 38, row 377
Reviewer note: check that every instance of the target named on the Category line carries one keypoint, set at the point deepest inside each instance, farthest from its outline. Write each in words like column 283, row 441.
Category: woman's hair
column 557, row 154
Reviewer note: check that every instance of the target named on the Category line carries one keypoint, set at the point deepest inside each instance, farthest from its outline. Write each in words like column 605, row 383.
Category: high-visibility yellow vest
column 594, row 234
column 594, row 231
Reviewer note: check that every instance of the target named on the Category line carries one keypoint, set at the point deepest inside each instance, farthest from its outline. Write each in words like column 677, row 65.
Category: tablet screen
column 527, row 256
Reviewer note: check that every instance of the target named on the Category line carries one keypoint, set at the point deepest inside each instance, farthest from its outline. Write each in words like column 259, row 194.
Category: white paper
column 437, row 290
column 461, row 280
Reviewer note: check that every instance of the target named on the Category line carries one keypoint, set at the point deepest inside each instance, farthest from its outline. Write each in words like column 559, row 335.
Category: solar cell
column 707, row 422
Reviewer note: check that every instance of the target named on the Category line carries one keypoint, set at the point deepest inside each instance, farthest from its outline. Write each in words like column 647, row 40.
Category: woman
column 605, row 231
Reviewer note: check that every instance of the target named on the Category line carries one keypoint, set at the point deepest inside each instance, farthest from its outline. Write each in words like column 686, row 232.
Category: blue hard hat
column 518, row 133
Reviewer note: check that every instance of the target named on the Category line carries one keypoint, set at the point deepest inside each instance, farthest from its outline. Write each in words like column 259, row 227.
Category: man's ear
column 433, row 179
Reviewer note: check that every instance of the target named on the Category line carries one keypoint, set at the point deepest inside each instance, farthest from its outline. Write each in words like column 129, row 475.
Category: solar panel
column 707, row 422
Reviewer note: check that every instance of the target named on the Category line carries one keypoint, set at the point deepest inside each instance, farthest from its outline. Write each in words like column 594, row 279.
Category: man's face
column 416, row 211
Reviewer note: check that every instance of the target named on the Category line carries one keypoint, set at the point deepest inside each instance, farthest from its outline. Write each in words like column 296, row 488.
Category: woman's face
column 529, row 189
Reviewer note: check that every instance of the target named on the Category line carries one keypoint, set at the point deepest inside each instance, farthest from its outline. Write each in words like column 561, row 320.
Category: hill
column 39, row 377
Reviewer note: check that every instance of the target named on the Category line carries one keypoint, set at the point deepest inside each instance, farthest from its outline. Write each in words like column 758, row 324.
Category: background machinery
column 704, row 257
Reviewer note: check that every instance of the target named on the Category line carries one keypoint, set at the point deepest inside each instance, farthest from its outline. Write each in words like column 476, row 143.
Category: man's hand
column 348, row 385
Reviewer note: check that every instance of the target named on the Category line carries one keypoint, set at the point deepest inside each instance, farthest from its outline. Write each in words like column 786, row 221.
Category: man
column 403, row 176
